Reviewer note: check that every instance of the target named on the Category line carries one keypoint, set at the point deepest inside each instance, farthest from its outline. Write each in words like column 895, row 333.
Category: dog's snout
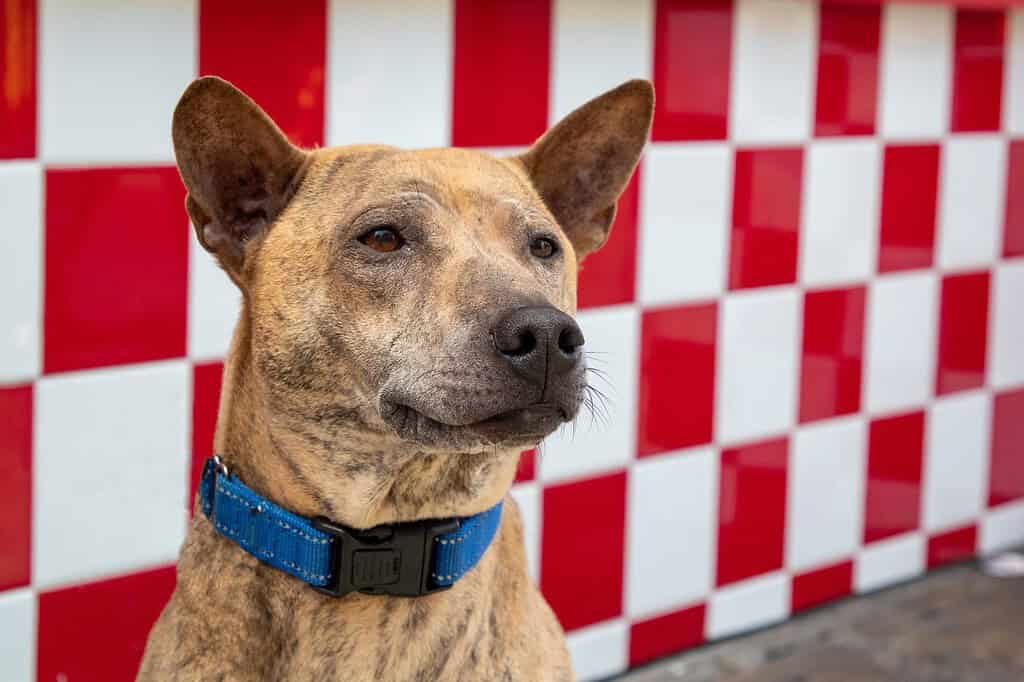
column 539, row 341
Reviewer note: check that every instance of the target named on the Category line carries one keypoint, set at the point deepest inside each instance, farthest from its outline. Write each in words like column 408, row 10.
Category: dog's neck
column 340, row 465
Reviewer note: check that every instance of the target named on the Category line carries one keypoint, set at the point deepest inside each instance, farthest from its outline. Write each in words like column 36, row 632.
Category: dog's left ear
column 582, row 165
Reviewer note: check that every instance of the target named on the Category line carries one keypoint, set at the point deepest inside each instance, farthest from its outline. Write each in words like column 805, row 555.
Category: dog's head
column 425, row 295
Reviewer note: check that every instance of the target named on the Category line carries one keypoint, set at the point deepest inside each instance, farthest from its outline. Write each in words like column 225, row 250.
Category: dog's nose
column 539, row 341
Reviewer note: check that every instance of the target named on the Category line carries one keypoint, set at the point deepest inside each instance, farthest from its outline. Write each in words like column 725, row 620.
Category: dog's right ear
column 239, row 168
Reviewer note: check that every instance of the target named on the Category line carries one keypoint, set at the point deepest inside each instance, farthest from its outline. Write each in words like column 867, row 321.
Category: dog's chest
column 233, row 616
column 396, row 639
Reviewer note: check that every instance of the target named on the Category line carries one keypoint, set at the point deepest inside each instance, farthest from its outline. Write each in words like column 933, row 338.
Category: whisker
column 604, row 377
column 597, row 404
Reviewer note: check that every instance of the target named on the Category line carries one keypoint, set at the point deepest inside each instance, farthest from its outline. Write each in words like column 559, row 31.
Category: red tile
column 751, row 510
column 18, row 70
column 954, row 545
column 608, row 276
column 847, row 98
column 116, row 267
column 963, row 335
column 500, row 73
column 15, row 485
column 910, row 180
column 833, row 352
column 895, row 456
column 234, row 36
column 765, row 217
column 98, row 631
column 692, row 59
column 677, row 378
column 582, row 549
column 1013, row 227
column 978, row 70
column 666, row 634
column 206, row 383
column 1006, row 473
column 822, row 585
column 526, row 471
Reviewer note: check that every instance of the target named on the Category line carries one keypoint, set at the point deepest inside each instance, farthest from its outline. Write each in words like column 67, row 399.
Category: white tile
column 774, row 48
column 757, row 363
column 110, row 75
column 213, row 305
column 840, row 212
column 599, row 444
column 685, row 197
column 885, row 563
column 1002, row 528
column 17, row 635
column 1013, row 89
column 1006, row 361
column 825, row 493
column 21, row 265
column 584, row 62
column 972, row 195
column 528, row 498
column 673, row 506
column 901, row 329
column 955, row 477
column 389, row 73
column 916, row 66
column 111, row 454
column 747, row 605
column 600, row 650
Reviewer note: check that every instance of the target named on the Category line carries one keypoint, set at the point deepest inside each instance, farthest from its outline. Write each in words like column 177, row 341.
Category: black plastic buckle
column 390, row 559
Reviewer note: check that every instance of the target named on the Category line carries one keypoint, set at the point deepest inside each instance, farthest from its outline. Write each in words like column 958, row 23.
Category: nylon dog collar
column 404, row 559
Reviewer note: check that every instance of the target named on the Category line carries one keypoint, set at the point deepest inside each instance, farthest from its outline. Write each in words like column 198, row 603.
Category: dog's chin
column 520, row 427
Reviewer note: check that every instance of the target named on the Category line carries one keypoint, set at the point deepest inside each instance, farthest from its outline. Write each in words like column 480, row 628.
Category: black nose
column 541, row 342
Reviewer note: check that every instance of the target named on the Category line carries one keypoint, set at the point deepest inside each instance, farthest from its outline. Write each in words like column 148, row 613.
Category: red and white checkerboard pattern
column 809, row 312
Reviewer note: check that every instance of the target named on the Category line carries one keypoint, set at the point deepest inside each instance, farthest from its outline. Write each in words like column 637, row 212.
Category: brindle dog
column 405, row 331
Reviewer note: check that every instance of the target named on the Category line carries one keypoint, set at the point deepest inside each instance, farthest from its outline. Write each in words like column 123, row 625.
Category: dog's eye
column 542, row 247
column 383, row 239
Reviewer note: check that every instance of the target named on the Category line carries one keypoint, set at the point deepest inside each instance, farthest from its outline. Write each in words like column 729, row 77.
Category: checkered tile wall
column 809, row 312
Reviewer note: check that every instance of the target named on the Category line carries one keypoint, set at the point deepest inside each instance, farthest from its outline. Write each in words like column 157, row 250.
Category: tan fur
column 332, row 336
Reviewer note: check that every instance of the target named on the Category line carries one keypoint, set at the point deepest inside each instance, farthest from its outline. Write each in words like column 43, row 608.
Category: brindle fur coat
column 362, row 383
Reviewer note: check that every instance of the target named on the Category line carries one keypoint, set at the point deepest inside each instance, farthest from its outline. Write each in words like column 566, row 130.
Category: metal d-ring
column 221, row 466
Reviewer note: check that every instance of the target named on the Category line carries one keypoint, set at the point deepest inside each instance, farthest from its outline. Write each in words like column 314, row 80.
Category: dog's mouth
column 522, row 426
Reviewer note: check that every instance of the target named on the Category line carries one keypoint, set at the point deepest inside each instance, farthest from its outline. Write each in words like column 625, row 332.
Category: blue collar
column 406, row 559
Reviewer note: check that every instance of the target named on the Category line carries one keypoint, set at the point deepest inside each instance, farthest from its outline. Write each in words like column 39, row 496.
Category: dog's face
column 434, row 281
column 425, row 295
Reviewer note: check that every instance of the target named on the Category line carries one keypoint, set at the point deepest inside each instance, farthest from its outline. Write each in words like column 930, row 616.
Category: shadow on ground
column 957, row 625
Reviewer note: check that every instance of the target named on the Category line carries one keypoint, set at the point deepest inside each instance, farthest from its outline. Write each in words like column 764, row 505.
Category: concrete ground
column 956, row 625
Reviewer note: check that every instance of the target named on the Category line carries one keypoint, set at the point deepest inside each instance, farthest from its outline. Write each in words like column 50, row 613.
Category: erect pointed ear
column 239, row 169
column 582, row 165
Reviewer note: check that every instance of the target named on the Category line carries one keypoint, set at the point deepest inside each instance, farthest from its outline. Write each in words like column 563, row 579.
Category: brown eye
column 542, row 247
column 383, row 239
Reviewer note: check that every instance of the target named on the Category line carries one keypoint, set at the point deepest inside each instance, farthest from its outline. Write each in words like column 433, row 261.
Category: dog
column 406, row 330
